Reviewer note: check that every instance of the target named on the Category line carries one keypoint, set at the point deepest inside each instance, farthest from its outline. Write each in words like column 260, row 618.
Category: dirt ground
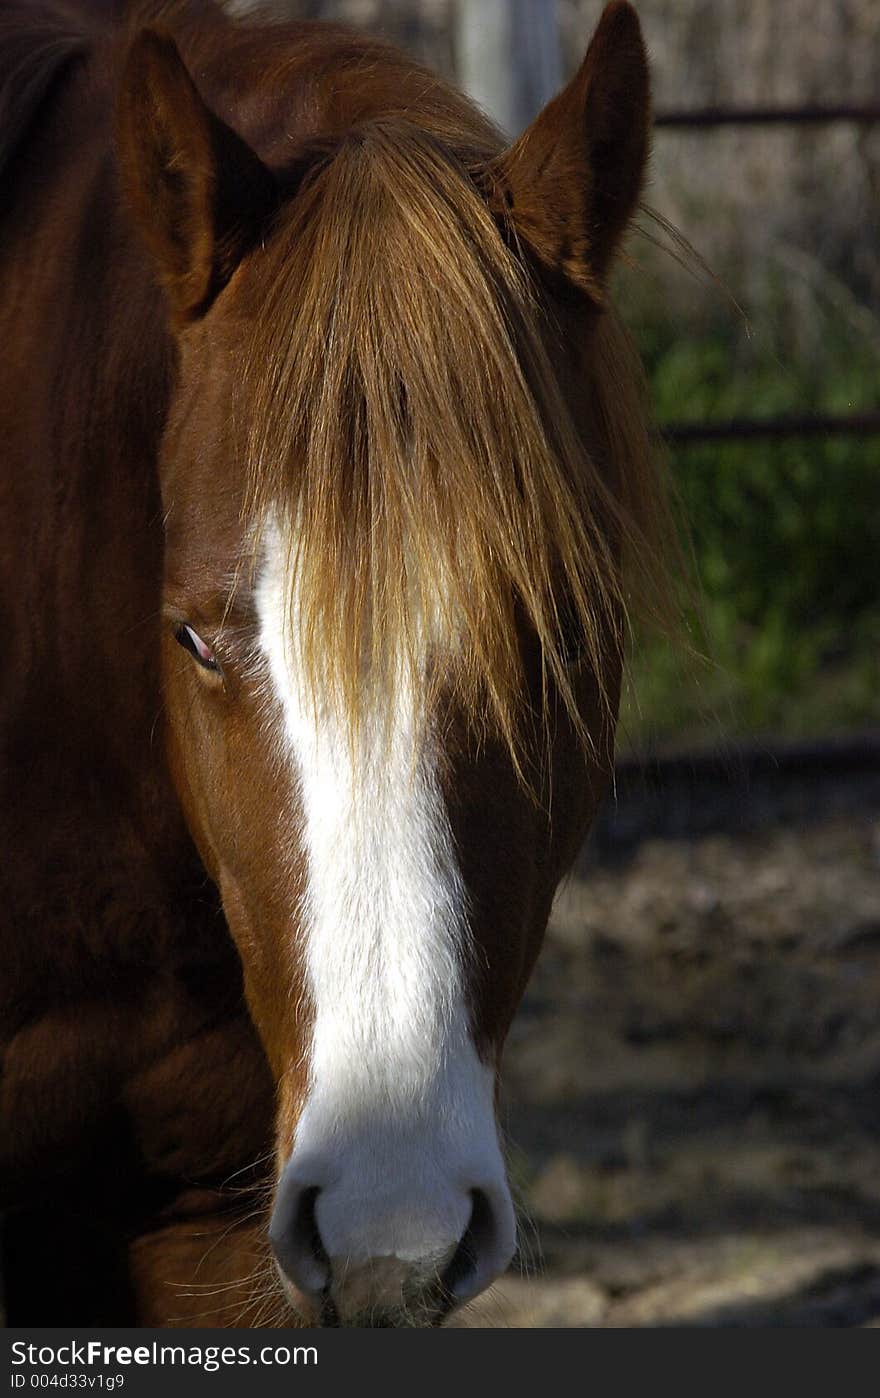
column 693, row 1086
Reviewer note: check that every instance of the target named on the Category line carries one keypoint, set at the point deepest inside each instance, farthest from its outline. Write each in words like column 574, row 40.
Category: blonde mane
column 411, row 427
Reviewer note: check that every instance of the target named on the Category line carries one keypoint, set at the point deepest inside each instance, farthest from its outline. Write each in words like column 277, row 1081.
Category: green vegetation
column 785, row 534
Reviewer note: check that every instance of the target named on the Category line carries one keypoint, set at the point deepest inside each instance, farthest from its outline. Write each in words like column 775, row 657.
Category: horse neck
column 82, row 402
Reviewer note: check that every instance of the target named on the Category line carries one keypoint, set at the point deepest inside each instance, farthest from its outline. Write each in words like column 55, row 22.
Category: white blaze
column 398, row 1125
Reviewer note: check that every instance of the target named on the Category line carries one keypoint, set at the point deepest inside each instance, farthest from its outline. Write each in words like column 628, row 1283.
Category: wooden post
column 508, row 57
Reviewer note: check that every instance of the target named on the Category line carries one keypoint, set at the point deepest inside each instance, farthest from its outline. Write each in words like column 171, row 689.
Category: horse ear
column 571, row 182
column 199, row 193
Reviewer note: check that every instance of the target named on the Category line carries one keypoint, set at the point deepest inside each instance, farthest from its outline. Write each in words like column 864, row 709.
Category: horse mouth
column 426, row 1313
column 409, row 1307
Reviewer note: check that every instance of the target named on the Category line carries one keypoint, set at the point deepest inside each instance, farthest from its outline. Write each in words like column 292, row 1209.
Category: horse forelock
column 407, row 423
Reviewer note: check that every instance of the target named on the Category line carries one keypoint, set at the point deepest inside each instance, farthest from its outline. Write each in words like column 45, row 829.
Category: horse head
column 397, row 477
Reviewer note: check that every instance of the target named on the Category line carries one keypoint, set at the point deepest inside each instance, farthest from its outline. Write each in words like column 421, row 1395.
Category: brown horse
column 323, row 459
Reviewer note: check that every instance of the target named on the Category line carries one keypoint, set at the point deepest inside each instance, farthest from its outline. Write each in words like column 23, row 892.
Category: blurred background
column 693, row 1084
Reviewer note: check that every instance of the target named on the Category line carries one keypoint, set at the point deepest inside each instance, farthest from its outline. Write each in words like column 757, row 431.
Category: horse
column 328, row 483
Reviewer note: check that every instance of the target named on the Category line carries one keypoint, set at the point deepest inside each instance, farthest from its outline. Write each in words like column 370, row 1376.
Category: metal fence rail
column 755, row 429
column 865, row 424
column 809, row 114
column 742, row 788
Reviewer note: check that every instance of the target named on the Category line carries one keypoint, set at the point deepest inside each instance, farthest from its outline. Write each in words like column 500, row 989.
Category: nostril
column 296, row 1241
column 306, row 1234
column 476, row 1259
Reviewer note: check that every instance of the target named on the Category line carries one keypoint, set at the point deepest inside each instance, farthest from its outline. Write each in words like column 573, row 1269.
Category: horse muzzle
column 397, row 1237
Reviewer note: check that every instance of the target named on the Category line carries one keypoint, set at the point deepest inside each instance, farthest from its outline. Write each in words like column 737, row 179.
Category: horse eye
column 192, row 641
